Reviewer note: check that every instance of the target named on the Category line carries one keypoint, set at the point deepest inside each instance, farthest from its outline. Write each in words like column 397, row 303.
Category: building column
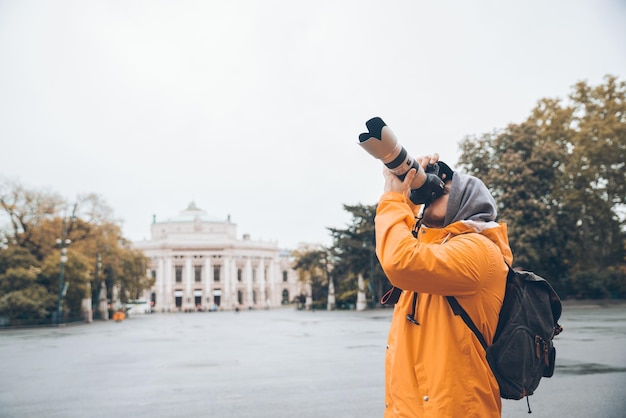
column 187, row 282
column 225, row 285
column 361, row 303
column 248, row 275
column 262, row 295
column 308, row 304
column 208, row 283
column 160, row 285
column 330, row 305
column 168, row 297
column 232, row 280
column 271, row 283
column 227, row 265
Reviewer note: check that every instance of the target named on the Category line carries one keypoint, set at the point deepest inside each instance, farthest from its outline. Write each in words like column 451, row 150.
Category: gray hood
column 469, row 200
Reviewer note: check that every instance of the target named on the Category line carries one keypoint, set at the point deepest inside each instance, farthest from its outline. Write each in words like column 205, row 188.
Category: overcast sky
column 253, row 108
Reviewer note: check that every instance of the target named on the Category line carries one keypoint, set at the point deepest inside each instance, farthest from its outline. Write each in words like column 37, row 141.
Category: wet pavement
column 277, row 363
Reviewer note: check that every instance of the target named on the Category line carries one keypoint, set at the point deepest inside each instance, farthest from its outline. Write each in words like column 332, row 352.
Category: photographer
column 435, row 366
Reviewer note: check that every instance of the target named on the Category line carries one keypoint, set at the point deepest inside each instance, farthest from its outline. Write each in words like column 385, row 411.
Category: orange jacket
column 438, row 368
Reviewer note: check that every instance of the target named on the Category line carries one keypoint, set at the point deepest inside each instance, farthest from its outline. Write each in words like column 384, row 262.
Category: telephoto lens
column 382, row 144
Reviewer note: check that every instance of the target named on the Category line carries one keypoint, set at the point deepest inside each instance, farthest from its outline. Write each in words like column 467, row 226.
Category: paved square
column 275, row 363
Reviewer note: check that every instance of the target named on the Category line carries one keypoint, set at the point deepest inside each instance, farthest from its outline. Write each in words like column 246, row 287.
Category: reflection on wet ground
column 589, row 329
column 586, row 368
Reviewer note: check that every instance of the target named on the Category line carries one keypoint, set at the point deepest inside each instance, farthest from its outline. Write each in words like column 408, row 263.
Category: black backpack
column 522, row 351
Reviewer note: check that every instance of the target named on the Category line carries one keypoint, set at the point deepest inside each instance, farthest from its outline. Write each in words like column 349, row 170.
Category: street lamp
column 96, row 301
column 63, row 242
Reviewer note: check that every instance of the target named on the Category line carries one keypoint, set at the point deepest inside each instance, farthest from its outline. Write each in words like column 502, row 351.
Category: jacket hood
column 494, row 231
column 469, row 199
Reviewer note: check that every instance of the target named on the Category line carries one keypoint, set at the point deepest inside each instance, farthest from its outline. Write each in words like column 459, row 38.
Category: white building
column 199, row 263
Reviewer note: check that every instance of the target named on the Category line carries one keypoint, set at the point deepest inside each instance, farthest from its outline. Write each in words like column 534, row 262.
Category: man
column 435, row 366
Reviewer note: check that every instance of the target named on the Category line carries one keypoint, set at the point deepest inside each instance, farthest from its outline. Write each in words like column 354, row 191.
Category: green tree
column 34, row 221
column 597, row 173
column 134, row 278
column 28, row 305
column 75, row 277
column 25, row 212
column 522, row 171
column 559, row 181
column 22, row 296
column 354, row 252
column 13, row 256
column 312, row 265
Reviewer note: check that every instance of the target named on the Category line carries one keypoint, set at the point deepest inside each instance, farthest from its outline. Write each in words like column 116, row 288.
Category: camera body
column 382, row 144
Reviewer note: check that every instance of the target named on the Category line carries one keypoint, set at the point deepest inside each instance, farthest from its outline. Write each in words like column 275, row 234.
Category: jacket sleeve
column 455, row 268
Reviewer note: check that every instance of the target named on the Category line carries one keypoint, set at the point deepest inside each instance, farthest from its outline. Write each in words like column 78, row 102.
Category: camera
column 382, row 144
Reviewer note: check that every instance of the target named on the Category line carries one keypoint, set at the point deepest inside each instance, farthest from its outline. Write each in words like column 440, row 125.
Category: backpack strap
column 459, row 311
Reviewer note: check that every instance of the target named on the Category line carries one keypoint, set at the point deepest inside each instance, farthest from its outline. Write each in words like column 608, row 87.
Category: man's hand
column 428, row 159
column 394, row 184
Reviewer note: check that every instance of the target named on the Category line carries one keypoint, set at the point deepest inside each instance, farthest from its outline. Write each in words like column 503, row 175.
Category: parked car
column 138, row 306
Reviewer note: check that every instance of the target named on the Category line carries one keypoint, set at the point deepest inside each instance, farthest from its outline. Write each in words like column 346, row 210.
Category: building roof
column 192, row 213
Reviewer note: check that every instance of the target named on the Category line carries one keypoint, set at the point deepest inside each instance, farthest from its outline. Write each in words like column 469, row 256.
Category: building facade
column 200, row 264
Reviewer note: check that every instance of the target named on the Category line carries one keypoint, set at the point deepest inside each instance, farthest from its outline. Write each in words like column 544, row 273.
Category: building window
column 153, row 274
column 217, row 297
column 239, row 275
column 254, row 275
column 198, row 273
column 284, row 275
column 178, row 274
column 216, row 273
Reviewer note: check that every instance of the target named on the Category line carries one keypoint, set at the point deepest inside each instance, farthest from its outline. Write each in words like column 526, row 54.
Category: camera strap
column 391, row 297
